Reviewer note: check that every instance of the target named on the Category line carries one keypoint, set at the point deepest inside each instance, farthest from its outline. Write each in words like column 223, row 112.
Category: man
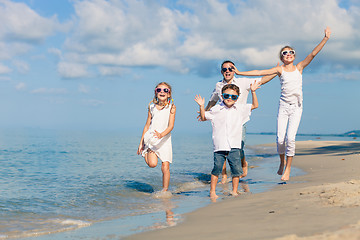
column 228, row 70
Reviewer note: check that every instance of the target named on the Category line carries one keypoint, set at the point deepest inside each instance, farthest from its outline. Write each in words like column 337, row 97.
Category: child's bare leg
column 214, row 180
column 244, row 166
column 286, row 175
column 223, row 174
column 245, row 187
column 282, row 164
column 151, row 159
column 235, row 185
column 165, row 168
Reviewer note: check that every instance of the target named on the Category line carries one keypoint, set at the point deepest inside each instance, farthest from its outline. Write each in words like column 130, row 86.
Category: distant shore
column 322, row 204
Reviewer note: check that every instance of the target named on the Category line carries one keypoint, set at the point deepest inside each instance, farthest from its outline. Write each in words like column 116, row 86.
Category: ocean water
column 89, row 184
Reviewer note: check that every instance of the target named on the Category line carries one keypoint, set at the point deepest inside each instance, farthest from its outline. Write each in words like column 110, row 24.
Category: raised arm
column 253, row 88
column 210, row 105
column 301, row 65
column 275, row 70
column 201, row 101
column 268, row 78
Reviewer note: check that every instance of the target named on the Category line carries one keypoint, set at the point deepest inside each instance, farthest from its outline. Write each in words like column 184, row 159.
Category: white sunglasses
column 286, row 52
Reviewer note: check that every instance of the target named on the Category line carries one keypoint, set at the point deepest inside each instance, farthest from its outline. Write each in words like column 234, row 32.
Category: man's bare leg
column 282, row 164
column 244, row 165
column 223, row 174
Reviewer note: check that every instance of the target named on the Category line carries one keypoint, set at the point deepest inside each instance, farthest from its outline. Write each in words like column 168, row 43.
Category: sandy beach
column 322, row 204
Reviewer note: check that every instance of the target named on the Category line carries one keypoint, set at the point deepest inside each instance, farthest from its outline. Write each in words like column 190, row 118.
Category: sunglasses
column 286, row 52
column 227, row 96
column 225, row 69
column 165, row 90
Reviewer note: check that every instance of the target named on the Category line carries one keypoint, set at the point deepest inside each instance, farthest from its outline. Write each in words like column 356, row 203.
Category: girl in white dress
column 290, row 105
column 156, row 137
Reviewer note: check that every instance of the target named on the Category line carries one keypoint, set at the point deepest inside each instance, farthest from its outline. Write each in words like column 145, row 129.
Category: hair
column 282, row 49
column 227, row 61
column 231, row 86
column 156, row 100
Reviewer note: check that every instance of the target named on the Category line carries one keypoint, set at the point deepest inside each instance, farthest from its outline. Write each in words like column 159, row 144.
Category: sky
column 94, row 64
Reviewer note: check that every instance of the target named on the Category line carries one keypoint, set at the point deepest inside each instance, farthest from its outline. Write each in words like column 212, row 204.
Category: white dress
column 159, row 122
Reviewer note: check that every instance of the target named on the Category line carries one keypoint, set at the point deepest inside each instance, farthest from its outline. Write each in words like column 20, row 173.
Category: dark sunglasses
column 227, row 96
column 165, row 90
column 225, row 69
column 286, row 52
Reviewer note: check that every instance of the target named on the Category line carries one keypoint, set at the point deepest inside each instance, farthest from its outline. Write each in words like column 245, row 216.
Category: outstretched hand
column 254, row 86
column 327, row 32
column 199, row 100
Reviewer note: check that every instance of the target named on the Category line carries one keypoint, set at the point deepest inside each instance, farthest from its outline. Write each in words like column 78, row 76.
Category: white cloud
column 23, row 24
column 84, row 88
column 111, row 70
column 106, row 37
column 20, row 86
column 125, row 33
column 72, row 70
column 22, row 28
column 92, row 102
column 56, row 91
column 22, row 66
column 4, row 69
column 55, row 51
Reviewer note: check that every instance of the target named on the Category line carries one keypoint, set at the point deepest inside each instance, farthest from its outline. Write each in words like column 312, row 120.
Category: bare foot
column 245, row 187
column 223, row 179
column 245, row 170
column 163, row 194
column 286, row 175
column 234, row 194
column 213, row 196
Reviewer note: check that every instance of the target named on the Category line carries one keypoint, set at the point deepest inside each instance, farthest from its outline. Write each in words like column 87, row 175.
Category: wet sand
column 323, row 204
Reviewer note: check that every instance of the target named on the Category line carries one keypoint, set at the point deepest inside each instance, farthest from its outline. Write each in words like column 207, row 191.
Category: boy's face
column 230, row 102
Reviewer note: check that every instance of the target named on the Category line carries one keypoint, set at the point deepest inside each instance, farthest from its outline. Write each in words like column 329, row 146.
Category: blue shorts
column 233, row 156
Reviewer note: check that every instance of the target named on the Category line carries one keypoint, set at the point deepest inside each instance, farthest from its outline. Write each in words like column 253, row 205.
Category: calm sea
column 89, row 184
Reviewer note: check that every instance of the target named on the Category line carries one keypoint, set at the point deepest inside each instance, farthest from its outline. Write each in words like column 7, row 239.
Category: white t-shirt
column 227, row 125
column 244, row 87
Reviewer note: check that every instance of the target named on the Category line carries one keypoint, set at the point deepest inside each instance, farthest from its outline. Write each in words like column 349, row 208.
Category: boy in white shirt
column 227, row 120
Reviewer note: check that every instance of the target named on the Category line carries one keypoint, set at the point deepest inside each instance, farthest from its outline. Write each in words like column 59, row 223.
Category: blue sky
column 93, row 64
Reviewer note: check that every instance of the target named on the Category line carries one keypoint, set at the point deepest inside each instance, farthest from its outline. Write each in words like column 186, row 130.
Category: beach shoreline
column 322, row 203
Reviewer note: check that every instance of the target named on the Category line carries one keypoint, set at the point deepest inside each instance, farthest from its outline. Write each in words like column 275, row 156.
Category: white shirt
column 227, row 125
column 242, row 83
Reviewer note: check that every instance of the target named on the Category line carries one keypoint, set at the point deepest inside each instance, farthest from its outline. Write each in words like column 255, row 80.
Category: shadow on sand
column 343, row 149
column 139, row 186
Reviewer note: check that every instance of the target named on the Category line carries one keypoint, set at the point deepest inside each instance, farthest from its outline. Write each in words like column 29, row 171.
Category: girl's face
column 162, row 92
column 288, row 55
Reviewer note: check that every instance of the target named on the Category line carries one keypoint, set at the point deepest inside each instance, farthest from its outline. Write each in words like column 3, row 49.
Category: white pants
column 289, row 117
